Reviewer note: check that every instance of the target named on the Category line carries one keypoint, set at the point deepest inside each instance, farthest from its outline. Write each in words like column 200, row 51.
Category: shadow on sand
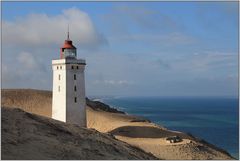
column 145, row 132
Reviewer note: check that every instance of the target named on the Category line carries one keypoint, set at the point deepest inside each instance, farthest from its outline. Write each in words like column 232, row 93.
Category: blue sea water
column 215, row 120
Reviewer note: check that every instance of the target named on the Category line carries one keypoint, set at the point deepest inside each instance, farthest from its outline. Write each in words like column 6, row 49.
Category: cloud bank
column 141, row 52
column 31, row 42
column 42, row 29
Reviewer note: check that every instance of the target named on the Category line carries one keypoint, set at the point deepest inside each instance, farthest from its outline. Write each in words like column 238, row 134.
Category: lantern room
column 68, row 50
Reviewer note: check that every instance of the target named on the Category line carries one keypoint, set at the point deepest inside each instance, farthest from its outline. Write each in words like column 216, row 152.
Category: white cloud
column 25, row 70
column 208, row 60
column 212, row 65
column 112, row 71
column 169, row 39
column 32, row 41
column 27, row 60
column 42, row 29
column 113, row 82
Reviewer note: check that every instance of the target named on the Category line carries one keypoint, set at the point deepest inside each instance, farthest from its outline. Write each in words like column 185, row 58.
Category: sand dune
column 30, row 136
column 133, row 130
column 33, row 101
column 152, row 138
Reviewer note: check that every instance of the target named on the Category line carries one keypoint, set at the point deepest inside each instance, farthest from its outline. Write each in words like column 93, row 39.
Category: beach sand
column 133, row 130
column 151, row 137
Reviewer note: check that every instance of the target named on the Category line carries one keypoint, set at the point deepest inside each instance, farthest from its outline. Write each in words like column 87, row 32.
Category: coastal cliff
column 135, row 131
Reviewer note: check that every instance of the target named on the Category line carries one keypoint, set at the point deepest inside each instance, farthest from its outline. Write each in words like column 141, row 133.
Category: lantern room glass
column 72, row 53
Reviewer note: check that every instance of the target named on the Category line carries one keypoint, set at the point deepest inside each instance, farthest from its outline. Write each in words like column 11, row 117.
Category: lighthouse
column 68, row 101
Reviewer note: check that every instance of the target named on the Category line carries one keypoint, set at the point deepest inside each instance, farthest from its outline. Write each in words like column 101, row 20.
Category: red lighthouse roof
column 67, row 45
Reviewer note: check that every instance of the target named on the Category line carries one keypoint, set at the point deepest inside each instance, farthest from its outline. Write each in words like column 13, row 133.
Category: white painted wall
column 59, row 97
column 64, row 106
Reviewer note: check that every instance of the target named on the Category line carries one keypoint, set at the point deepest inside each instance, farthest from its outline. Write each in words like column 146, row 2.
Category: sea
column 213, row 119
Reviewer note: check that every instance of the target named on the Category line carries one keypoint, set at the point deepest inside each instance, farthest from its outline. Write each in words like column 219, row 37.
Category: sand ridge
column 151, row 137
column 133, row 130
column 30, row 136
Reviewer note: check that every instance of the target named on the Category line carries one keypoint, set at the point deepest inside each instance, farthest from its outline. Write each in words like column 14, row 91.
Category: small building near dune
column 173, row 139
column 68, row 101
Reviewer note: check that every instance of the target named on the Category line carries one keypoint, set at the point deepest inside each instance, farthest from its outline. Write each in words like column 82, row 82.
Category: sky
column 131, row 48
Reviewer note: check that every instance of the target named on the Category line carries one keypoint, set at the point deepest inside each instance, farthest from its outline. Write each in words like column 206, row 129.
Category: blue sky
column 131, row 48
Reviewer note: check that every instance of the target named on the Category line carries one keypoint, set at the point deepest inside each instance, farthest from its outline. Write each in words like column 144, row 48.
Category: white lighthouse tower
column 68, row 103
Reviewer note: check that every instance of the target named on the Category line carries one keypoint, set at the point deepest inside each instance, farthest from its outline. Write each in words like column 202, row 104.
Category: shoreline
column 197, row 137
column 133, row 130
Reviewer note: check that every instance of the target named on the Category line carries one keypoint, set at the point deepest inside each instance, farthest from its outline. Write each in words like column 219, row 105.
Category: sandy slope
column 30, row 136
column 130, row 129
column 34, row 101
column 151, row 137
